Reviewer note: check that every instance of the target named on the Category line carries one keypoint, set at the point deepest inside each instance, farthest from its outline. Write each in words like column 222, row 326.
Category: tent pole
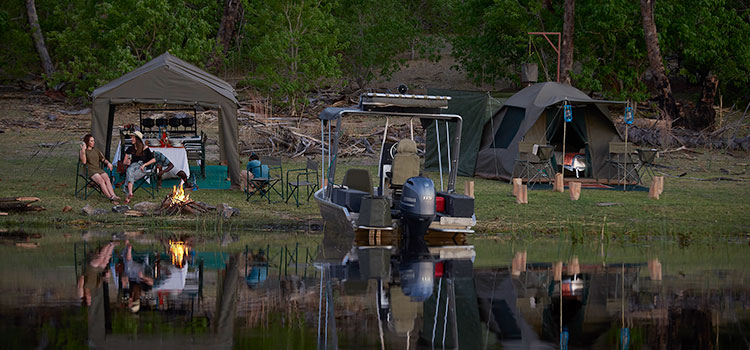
column 565, row 131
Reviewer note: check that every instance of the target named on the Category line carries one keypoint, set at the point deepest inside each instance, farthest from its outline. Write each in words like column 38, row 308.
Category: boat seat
column 358, row 179
column 405, row 163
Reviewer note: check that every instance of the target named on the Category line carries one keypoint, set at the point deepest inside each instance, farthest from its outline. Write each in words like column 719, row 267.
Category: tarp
column 475, row 108
column 170, row 80
column 534, row 114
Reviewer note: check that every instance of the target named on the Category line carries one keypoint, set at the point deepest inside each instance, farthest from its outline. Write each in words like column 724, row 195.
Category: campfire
column 178, row 202
column 178, row 250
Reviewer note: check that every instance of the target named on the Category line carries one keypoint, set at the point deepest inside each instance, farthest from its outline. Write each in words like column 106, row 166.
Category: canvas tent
column 170, row 80
column 475, row 108
column 534, row 114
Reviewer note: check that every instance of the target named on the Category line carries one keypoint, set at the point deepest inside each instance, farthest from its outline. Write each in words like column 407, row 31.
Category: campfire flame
column 178, row 250
column 178, row 196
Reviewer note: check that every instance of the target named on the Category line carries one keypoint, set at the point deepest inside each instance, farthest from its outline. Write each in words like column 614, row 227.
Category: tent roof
column 549, row 93
column 168, row 64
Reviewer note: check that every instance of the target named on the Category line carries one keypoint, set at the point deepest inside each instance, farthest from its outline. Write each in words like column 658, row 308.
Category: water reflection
column 375, row 291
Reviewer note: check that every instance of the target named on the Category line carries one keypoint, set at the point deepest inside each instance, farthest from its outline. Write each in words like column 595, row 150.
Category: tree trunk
column 226, row 29
column 36, row 33
column 667, row 104
column 705, row 114
column 566, row 50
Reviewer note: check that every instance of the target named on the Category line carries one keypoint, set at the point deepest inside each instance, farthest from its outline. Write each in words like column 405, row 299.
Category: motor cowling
column 417, row 205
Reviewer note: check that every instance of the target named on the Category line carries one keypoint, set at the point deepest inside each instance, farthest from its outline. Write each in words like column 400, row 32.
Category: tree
column 95, row 42
column 667, row 104
column 232, row 11
column 566, row 51
column 36, row 32
column 372, row 46
column 296, row 48
column 707, row 40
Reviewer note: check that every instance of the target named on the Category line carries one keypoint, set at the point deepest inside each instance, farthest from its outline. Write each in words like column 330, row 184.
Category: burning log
column 178, row 201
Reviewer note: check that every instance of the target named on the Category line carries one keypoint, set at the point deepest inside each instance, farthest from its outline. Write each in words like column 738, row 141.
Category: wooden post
column 558, row 272
column 469, row 188
column 559, row 185
column 654, row 269
column 575, row 190
column 653, row 191
column 660, row 184
column 517, row 182
column 522, row 198
column 574, row 267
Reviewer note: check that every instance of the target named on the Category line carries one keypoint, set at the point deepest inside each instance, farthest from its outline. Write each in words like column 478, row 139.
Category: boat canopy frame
column 389, row 105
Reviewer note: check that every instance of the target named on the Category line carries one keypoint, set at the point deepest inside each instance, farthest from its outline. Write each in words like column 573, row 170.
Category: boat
column 403, row 210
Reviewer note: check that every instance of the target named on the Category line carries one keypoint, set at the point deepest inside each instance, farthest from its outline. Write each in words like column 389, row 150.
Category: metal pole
column 440, row 155
column 448, row 143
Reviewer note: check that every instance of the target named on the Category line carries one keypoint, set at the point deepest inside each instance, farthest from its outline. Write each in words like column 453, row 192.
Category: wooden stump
column 653, row 191
column 521, row 197
column 517, row 182
column 575, row 190
column 557, row 271
column 469, row 188
column 574, row 267
column 559, row 185
column 660, row 183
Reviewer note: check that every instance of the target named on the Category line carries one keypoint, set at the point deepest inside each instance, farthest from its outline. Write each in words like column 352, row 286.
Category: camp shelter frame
column 168, row 80
column 428, row 110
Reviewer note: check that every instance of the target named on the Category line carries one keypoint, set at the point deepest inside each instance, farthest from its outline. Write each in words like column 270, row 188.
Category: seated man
column 134, row 279
column 254, row 170
column 163, row 166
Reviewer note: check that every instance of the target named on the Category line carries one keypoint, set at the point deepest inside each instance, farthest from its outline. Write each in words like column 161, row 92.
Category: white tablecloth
column 178, row 157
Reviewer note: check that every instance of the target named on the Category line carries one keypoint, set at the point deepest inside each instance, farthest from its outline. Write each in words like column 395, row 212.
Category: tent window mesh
column 508, row 127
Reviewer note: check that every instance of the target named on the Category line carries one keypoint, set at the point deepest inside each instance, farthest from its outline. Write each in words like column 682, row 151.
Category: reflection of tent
column 475, row 108
column 169, row 80
column 534, row 114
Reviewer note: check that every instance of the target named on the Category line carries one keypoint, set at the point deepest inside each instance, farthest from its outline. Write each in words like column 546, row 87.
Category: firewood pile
column 19, row 204
column 178, row 202
column 281, row 136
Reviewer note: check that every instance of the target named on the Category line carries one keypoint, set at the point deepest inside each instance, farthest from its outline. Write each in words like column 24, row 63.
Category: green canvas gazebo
column 169, row 80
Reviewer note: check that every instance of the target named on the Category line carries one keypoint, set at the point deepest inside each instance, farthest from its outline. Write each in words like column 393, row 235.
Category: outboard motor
column 417, row 206
column 417, row 279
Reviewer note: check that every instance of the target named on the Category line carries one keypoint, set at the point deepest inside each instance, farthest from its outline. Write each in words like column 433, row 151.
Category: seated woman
column 139, row 156
column 254, row 170
column 92, row 158
column 163, row 166
column 95, row 274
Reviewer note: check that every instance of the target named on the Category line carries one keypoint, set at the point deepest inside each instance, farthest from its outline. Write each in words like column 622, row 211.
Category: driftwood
column 189, row 207
column 19, row 204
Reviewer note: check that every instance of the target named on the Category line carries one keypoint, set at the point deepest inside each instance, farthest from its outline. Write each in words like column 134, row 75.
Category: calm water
column 271, row 292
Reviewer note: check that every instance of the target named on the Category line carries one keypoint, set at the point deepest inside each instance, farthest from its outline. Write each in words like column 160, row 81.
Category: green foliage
column 93, row 42
column 708, row 36
column 296, row 48
column 383, row 30
column 17, row 56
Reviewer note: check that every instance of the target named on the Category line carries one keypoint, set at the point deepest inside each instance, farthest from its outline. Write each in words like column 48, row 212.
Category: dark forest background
column 290, row 49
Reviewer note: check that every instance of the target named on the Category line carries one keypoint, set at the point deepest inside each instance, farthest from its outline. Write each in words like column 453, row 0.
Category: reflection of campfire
column 178, row 250
column 178, row 201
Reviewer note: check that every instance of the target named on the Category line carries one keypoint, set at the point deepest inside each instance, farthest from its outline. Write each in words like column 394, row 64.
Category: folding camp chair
column 621, row 159
column 293, row 187
column 540, row 168
column 147, row 182
column 522, row 166
column 85, row 185
column 267, row 186
column 646, row 162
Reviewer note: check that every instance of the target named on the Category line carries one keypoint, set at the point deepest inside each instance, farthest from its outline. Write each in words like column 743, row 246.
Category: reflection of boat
column 403, row 203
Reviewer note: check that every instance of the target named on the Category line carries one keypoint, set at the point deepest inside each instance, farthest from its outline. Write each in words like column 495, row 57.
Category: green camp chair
column 85, row 185
column 622, row 161
column 265, row 187
column 541, row 168
column 305, row 177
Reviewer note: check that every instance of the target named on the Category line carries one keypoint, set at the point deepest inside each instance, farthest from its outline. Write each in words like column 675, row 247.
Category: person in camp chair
column 163, row 166
column 254, row 170
column 139, row 156
column 92, row 158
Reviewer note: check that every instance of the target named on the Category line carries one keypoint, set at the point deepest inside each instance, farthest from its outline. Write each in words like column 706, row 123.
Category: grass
column 687, row 208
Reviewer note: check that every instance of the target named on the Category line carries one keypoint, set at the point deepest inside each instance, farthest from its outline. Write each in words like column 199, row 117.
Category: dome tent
column 534, row 114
